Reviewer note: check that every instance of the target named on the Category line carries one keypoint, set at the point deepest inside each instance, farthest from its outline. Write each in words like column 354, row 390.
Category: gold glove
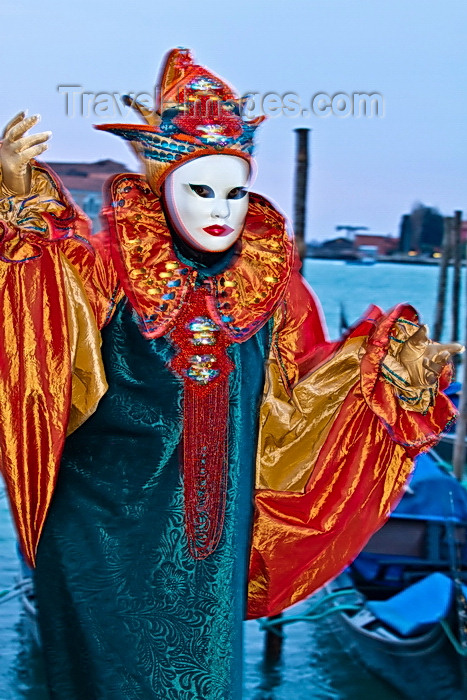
column 17, row 150
column 424, row 359
column 414, row 363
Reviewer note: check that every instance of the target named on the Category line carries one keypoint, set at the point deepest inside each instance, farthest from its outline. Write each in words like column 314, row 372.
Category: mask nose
column 220, row 209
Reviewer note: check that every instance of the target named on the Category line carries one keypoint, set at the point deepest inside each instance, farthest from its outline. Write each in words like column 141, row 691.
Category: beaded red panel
column 202, row 361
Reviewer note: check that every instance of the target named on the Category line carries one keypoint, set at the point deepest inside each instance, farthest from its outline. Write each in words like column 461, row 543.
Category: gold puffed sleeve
column 48, row 212
column 335, row 448
column 56, row 292
column 26, row 211
column 88, row 382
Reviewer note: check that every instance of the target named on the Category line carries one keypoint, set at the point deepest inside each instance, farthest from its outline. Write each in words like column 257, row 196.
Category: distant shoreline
column 405, row 260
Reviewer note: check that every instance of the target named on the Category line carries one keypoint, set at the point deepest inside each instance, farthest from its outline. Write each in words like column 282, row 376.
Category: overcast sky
column 365, row 171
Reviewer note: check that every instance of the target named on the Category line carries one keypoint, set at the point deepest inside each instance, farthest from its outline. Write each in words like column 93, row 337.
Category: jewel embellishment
column 201, row 370
column 204, row 84
column 203, row 330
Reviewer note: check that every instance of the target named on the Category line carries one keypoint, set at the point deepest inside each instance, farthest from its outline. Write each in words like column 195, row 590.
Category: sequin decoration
column 204, row 84
column 201, row 369
column 203, row 330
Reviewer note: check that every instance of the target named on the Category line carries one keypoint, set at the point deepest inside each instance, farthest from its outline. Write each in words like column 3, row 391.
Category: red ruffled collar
column 241, row 298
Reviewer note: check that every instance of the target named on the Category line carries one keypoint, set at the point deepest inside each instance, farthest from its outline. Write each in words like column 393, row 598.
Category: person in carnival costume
column 174, row 423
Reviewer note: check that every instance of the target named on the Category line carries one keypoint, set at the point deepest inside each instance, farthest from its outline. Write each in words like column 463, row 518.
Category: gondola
column 401, row 608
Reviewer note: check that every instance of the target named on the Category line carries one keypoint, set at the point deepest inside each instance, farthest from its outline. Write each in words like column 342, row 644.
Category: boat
column 365, row 255
column 400, row 608
column 364, row 260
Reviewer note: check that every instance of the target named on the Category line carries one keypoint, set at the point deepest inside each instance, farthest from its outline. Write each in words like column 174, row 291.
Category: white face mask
column 207, row 201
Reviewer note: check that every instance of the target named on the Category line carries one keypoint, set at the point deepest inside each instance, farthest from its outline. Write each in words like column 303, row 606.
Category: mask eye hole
column 203, row 191
column 237, row 193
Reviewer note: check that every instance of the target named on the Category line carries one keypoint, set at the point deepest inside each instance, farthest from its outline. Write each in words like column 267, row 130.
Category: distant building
column 421, row 231
column 464, row 231
column 405, row 238
column 85, row 182
column 385, row 245
column 337, row 248
column 361, row 245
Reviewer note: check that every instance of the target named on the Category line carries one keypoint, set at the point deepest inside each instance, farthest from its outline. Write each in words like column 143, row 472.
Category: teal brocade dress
column 125, row 612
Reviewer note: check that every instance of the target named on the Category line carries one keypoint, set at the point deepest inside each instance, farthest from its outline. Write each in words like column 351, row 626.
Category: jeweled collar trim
column 241, row 298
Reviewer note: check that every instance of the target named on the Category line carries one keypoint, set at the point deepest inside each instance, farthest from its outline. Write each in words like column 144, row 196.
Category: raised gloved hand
column 424, row 359
column 414, row 364
column 17, row 150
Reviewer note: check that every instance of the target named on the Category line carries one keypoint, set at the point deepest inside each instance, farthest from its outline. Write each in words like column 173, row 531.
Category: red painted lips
column 217, row 230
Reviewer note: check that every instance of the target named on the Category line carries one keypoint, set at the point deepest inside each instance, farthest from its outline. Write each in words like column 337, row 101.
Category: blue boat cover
column 369, row 567
column 418, row 607
column 454, row 389
column 453, row 392
column 432, row 490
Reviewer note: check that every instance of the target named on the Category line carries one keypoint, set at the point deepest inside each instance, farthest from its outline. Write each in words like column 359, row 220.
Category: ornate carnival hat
column 196, row 114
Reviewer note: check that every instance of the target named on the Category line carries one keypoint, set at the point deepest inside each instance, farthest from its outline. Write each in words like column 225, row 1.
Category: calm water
column 356, row 286
column 313, row 666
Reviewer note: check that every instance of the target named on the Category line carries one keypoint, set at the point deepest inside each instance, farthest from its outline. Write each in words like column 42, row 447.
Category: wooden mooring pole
column 456, row 282
column 443, row 279
column 273, row 640
column 273, row 643
column 301, row 183
column 458, row 457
